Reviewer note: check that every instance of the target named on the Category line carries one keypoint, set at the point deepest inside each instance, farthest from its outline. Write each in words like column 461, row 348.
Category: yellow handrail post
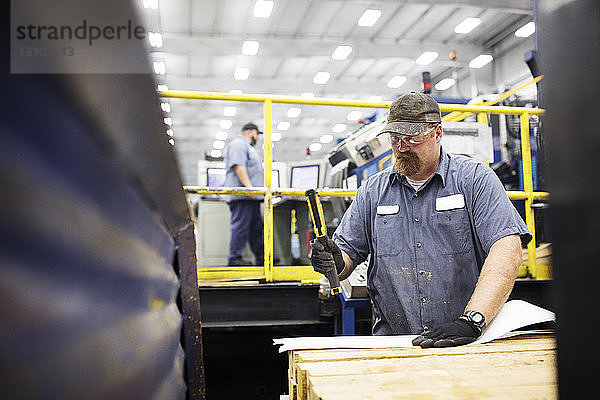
column 482, row 117
column 528, row 186
column 268, row 202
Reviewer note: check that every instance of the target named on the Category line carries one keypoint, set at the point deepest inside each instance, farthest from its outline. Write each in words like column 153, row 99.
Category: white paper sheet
column 514, row 314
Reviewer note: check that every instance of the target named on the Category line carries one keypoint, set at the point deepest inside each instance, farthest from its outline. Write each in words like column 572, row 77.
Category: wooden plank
column 386, row 387
column 509, row 369
column 457, row 366
column 521, row 367
column 522, row 343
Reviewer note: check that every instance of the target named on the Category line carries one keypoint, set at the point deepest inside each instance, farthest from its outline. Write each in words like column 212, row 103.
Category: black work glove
column 325, row 258
column 455, row 333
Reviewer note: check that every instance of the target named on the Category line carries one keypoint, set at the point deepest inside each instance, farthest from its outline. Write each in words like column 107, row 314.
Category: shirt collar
column 441, row 170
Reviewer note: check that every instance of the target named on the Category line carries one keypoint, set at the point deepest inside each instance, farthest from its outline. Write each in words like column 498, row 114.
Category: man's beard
column 407, row 163
column 253, row 141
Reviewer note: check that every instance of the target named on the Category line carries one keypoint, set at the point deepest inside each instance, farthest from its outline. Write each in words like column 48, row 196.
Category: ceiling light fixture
column 235, row 91
column 275, row 136
column 155, row 39
column 480, row 60
column 467, row 25
column 526, row 30
column 216, row 153
column 426, row 58
column 151, row 4
column 241, row 73
column 375, row 99
column 294, row 112
column 315, row 146
column 307, row 95
column 326, row 138
column 225, row 124
column 263, row 8
column 396, row 82
column 354, row 115
column 159, row 67
column 166, row 107
column 229, row 111
column 218, row 144
column 168, row 121
column 445, row 84
column 221, row 135
column 339, row 128
column 170, row 132
column 341, row 52
column 250, row 48
column 321, row 77
column 172, row 142
column 162, row 88
column 369, row 17
column 283, row 125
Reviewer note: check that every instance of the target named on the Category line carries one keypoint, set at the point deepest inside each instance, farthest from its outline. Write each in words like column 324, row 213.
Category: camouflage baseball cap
column 411, row 113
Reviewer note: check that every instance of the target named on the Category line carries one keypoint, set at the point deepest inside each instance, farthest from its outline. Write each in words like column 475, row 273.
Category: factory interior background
column 114, row 227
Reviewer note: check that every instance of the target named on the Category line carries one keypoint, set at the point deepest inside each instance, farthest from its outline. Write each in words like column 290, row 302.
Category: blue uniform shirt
column 241, row 152
column 427, row 247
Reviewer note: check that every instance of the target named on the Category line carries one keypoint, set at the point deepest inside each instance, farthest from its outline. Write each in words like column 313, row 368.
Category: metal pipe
column 512, row 194
column 457, row 116
column 268, row 208
column 528, row 186
column 254, row 191
column 258, row 98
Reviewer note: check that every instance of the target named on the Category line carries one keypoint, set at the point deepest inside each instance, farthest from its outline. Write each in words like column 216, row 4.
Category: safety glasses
column 411, row 141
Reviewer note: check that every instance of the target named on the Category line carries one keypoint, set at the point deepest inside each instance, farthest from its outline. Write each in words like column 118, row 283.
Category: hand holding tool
column 324, row 259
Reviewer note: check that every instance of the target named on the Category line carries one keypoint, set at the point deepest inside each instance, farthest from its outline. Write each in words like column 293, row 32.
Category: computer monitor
column 215, row 177
column 305, row 176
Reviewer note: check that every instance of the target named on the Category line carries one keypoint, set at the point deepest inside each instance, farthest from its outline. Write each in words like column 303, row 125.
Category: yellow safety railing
column 306, row 273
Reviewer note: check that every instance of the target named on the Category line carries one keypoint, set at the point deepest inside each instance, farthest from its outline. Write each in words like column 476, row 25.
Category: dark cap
column 250, row 126
column 411, row 113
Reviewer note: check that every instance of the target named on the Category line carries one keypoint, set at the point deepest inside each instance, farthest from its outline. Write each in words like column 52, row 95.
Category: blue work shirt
column 241, row 152
column 427, row 247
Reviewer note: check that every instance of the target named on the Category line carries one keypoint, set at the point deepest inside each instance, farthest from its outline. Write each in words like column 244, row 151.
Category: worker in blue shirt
column 244, row 169
column 443, row 238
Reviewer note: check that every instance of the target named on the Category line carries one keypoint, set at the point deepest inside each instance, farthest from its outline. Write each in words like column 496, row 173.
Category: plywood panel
column 521, row 367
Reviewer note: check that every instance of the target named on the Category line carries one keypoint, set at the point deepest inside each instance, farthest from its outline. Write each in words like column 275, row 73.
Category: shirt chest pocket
column 388, row 234
column 452, row 231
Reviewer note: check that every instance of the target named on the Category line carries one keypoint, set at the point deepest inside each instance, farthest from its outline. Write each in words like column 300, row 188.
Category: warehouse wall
column 511, row 70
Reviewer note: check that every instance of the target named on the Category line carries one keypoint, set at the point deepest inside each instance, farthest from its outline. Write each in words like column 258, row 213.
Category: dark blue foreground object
column 98, row 289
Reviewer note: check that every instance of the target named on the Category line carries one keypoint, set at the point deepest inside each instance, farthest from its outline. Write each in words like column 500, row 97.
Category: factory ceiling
column 201, row 47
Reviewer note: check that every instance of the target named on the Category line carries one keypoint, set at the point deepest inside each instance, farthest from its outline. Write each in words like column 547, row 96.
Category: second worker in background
column 444, row 239
column 244, row 168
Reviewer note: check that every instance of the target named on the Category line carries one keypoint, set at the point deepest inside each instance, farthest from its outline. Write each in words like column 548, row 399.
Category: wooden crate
column 519, row 368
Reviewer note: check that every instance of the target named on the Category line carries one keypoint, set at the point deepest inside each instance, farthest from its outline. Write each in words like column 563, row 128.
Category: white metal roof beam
column 305, row 46
column 512, row 6
column 388, row 18
column 292, row 86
